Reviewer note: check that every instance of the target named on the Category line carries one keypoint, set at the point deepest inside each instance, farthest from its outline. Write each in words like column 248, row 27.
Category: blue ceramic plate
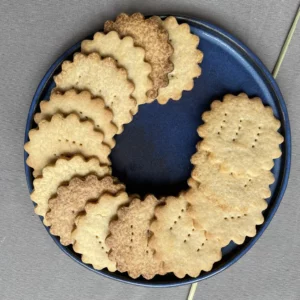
column 153, row 153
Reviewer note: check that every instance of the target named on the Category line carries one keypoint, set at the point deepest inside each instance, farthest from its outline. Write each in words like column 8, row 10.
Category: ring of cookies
column 133, row 62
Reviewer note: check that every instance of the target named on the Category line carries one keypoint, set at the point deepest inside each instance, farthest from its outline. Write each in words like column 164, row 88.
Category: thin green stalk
column 286, row 44
column 192, row 291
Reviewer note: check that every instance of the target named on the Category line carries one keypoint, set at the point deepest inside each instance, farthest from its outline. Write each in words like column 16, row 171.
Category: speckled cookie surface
column 153, row 37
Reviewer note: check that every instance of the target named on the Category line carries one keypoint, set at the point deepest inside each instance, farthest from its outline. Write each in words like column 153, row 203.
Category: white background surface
column 33, row 34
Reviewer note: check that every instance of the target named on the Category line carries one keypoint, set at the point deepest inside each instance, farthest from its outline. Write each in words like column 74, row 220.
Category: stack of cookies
column 133, row 62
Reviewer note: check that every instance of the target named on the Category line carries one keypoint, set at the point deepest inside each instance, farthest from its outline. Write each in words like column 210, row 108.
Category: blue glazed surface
column 153, row 153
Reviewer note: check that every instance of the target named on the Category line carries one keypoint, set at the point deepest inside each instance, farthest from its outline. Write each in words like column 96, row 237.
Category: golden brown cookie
column 71, row 200
column 241, row 134
column 223, row 222
column 64, row 169
column 127, row 56
column 103, row 78
column 92, row 229
column 86, row 107
column 184, row 249
column 57, row 137
column 233, row 193
column 129, row 239
column 185, row 58
column 151, row 35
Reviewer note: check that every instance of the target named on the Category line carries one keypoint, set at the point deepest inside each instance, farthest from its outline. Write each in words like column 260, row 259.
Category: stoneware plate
column 153, row 153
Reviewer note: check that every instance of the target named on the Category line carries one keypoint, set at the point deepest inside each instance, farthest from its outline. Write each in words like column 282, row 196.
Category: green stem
column 286, row 44
column 192, row 291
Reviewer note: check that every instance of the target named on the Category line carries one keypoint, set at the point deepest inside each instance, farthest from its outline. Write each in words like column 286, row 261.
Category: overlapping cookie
column 92, row 229
column 223, row 221
column 71, row 200
column 229, row 190
column 149, row 34
column 129, row 237
column 127, row 56
column 241, row 134
column 102, row 78
column 57, row 137
column 64, row 169
column 183, row 248
column 185, row 58
column 85, row 106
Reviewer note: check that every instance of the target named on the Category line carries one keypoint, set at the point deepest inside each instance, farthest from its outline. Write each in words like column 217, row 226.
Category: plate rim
column 282, row 185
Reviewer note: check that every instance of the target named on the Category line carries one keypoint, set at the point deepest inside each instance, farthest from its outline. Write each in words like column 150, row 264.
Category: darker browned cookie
column 129, row 239
column 72, row 199
column 153, row 37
